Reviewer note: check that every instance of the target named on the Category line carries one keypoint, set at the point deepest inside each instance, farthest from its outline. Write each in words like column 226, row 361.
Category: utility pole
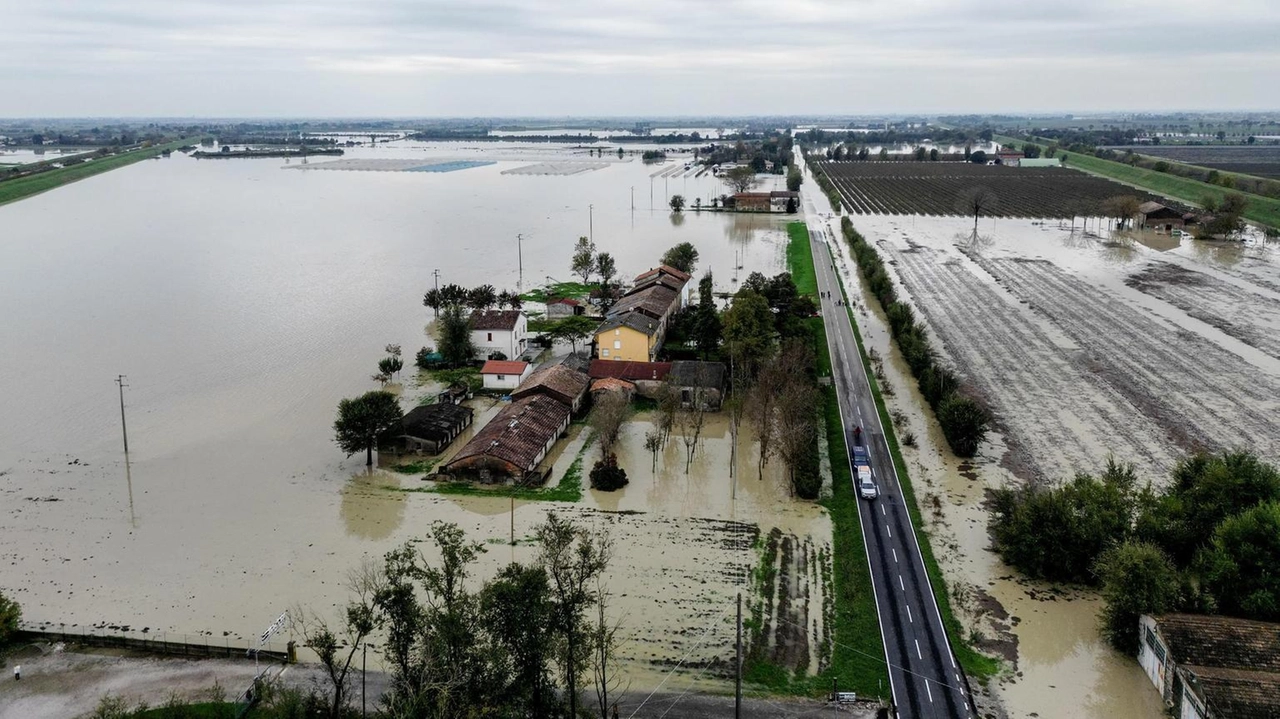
column 520, row 256
column 437, row 274
column 364, row 666
column 737, row 680
column 591, row 224
column 123, row 427
column 633, row 198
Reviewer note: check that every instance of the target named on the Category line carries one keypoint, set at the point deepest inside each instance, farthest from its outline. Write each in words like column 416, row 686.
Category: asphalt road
column 926, row 680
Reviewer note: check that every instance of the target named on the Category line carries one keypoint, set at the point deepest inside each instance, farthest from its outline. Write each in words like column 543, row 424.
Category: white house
column 504, row 374
column 499, row 331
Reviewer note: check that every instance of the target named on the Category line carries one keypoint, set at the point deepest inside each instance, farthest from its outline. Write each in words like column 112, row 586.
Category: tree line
column 964, row 420
column 1207, row 543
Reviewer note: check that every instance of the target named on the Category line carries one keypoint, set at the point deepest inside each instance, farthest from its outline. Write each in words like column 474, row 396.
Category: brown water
column 243, row 301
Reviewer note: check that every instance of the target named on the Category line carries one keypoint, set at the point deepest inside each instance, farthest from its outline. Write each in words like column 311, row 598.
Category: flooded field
column 243, row 301
column 1141, row 346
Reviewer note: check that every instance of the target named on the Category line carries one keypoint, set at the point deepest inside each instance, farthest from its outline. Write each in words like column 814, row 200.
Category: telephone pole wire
column 737, row 680
column 124, row 428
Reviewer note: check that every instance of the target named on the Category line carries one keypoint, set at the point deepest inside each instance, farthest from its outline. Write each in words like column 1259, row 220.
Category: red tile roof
column 612, row 383
column 556, row 381
column 668, row 269
column 630, row 370
column 564, row 301
column 516, row 434
column 514, row 367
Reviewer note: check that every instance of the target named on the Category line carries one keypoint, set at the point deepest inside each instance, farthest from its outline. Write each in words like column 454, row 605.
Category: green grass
column 1264, row 210
column 568, row 490
column 422, row 466
column 976, row 665
column 800, row 259
column 14, row 190
column 558, row 290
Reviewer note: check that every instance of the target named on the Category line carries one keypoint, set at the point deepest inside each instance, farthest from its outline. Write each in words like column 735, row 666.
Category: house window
column 490, row 337
column 617, row 344
column 500, row 378
column 617, row 332
column 604, row 353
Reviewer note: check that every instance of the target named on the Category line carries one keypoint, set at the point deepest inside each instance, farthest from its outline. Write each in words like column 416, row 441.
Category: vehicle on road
column 867, row 488
column 862, row 467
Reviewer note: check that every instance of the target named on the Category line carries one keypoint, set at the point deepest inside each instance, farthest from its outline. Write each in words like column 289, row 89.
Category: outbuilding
column 432, row 427
column 1212, row 667
column 514, row 443
column 564, row 307
column 565, row 385
column 504, row 374
column 1156, row 216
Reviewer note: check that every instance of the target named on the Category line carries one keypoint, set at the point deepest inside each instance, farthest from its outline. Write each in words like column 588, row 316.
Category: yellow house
column 631, row 337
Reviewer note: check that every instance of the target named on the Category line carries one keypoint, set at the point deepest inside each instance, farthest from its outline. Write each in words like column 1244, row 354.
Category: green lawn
column 14, row 190
column 1264, row 210
column 800, row 259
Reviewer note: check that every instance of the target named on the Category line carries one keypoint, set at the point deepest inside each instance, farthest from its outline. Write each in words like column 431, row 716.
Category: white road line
column 882, row 512
column 927, row 689
column 890, row 531
column 953, row 660
column 900, row 584
column 895, row 555
column 918, row 654
column 909, row 619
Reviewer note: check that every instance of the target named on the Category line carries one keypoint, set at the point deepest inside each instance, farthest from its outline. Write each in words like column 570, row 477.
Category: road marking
column 882, row 510
column 895, row 555
column 900, row 584
column 909, row 619
column 890, row 531
column 953, row 661
column 926, row 682
column 918, row 654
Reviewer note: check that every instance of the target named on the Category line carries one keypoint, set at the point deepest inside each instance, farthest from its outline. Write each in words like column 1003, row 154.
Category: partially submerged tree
column 976, row 202
column 677, row 203
column 748, row 330
column 584, row 259
column 740, row 179
column 653, row 443
column 606, row 419
column 454, row 333
column 10, row 618
column 1121, row 208
column 607, row 269
column 336, row 645
column 362, row 420
column 683, row 257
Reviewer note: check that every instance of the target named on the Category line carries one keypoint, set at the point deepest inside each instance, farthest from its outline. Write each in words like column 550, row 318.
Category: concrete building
column 499, row 331
column 635, row 326
column 504, row 374
column 1212, row 667
column 699, row 383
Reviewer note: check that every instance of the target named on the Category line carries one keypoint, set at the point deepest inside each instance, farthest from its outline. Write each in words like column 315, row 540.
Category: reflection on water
column 677, row 219
column 368, row 509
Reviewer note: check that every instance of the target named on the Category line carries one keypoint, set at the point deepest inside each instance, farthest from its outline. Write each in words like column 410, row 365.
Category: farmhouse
column 514, row 442
column 752, row 202
column 564, row 385
column 1012, row 158
column 1160, row 218
column 504, row 332
column 504, row 374
column 1212, row 667
column 432, row 427
column 635, row 326
column 699, row 383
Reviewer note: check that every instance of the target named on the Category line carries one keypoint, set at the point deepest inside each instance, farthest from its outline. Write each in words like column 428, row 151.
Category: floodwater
column 242, row 301
column 1063, row 668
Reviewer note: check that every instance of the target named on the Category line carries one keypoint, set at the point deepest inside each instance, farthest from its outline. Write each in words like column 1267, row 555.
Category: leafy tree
column 362, row 420
column 1122, row 208
column 1137, row 578
column 452, row 294
column 933, row 154
column 482, row 297
column 573, row 330
column 978, row 157
column 433, row 299
column 794, row 179
column 1241, row 566
column 607, row 476
column 740, row 179
column 748, row 330
column 389, row 366
column 10, row 618
column 683, row 257
column 584, row 259
column 920, row 154
column 515, row 608
column 677, row 203
column 1031, row 150
column 454, row 330
column 977, row 201
column 607, row 268
column 964, row 423
column 707, row 328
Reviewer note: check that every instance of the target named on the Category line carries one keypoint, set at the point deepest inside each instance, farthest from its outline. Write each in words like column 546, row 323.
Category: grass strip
column 800, row 259
column 23, row 187
column 976, row 665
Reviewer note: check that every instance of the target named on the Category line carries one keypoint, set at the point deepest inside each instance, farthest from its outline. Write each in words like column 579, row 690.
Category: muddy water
column 243, row 301
column 1057, row 664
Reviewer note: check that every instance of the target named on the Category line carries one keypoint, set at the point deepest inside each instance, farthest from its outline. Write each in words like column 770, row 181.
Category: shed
column 432, row 427
column 699, row 383
column 514, row 442
column 646, row 376
column 564, row 307
column 558, row 382
column 504, row 374
column 1212, row 667
column 612, row 384
column 1159, row 217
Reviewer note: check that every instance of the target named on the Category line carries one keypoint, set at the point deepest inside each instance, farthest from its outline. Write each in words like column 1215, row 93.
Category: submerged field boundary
column 974, row 663
column 1263, row 210
column 24, row 187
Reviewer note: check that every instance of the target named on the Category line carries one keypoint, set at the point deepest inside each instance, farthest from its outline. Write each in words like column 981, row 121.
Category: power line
column 706, row 633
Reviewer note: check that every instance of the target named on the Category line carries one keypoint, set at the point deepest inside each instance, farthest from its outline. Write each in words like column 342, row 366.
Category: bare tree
column 668, row 405
column 604, row 663
column 977, row 201
column 653, row 443
column 796, row 423
column 610, row 412
column 760, row 408
column 689, row 420
column 1121, row 208
column 337, row 647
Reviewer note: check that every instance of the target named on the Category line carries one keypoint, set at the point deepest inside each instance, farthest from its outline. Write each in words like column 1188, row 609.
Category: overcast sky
column 636, row 57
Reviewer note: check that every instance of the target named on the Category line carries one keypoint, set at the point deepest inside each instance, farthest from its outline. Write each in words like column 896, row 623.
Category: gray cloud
column 574, row 57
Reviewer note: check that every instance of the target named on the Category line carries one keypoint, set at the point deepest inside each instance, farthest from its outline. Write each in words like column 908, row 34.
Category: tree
column 433, row 299
column 452, row 294
column 606, row 475
column 653, row 443
column 748, row 330
column 1121, row 208
column 584, row 259
column 454, row 331
column 683, row 257
column 607, row 416
column 515, row 608
column 706, row 321
column 482, row 297
column 964, row 423
column 796, row 421
column 362, row 420
column 573, row 330
column 1241, row 566
column 1031, row 151
column 390, row 366
column 692, row 417
column 740, row 179
column 977, row 201
column 1137, row 578
column 573, row 559
column 933, row 154
column 794, row 179
column 10, row 618
column 607, row 268
column 677, row 203
column 337, row 648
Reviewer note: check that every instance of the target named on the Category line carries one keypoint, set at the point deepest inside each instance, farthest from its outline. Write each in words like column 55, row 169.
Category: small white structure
column 505, row 331
column 504, row 374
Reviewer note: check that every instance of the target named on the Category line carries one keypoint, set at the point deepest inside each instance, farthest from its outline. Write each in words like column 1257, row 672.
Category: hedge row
column 963, row 420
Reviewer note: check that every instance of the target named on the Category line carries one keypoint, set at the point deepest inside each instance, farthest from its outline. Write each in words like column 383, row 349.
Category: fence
column 185, row 645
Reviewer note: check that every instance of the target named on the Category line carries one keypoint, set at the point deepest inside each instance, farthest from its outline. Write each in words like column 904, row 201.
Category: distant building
column 1012, row 158
column 432, row 427
column 1212, row 667
column 499, row 331
column 514, row 443
column 753, row 202
column 564, row 307
column 1156, row 216
column 784, row 201
column 1040, row 162
column 504, row 374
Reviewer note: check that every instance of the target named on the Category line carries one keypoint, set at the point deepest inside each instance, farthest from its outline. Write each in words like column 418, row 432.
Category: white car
column 866, row 486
